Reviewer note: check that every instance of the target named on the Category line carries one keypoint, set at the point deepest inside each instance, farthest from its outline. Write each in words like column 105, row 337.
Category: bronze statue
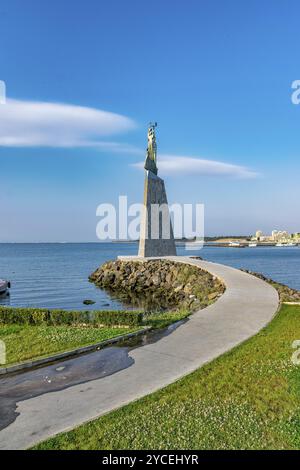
column 150, row 163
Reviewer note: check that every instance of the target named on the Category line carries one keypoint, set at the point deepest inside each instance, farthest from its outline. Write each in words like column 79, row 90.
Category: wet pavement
column 79, row 370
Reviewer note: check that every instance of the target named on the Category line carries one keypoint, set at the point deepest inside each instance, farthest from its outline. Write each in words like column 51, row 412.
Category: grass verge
column 164, row 319
column 24, row 342
column 248, row 398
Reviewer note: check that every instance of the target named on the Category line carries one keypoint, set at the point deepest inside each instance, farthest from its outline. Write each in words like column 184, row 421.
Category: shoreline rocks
column 158, row 284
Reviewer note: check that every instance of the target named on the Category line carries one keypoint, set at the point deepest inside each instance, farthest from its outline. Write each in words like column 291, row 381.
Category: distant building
column 277, row 236
column 274, row 234
column 259, row 234
column 296, row 236
column 280, row 235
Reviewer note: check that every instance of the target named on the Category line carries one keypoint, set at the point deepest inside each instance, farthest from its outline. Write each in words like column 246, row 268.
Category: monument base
column 156, row 234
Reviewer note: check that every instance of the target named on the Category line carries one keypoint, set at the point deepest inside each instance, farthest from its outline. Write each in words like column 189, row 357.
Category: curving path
column 247, row 306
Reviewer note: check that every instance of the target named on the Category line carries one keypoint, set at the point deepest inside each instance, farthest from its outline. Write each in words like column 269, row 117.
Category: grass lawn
column 25, row 342
column 248, row 398
column 28, row 342
column 164, row 319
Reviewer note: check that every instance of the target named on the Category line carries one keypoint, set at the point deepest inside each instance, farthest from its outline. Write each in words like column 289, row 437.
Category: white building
column 259, row 234
column 280, row 235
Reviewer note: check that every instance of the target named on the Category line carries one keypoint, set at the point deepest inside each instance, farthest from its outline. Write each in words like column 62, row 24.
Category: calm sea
column 56, row 275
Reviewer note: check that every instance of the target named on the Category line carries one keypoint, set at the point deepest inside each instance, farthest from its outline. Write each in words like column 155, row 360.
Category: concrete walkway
column 247, row 306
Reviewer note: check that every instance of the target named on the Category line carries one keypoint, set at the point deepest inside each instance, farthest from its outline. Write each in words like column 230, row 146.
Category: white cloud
column 42, row 124
column 174, row 164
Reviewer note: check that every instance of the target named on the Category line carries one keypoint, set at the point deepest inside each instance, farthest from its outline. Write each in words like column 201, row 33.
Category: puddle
column 75, row 371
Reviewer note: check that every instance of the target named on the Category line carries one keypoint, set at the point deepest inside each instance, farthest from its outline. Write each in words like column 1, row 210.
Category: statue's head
column 151, row 128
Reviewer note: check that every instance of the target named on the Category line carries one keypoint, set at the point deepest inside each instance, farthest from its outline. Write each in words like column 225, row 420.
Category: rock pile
column 158, row 284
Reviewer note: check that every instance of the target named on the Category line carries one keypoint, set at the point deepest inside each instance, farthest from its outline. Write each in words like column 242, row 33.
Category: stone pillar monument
column 156, row 234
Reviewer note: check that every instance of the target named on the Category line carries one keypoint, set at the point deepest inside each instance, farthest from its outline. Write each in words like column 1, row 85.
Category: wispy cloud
column 42, row 124
column 174, row 164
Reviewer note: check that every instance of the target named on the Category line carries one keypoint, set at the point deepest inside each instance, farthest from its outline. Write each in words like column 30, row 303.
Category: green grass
column 164, row 319
column 248, row 398
column 25, row 342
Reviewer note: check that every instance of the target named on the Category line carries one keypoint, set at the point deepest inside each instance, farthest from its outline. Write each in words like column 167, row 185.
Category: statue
column 156, row 234
column 150, row 163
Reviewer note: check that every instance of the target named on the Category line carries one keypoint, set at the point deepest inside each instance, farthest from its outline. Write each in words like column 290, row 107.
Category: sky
column 83, row 80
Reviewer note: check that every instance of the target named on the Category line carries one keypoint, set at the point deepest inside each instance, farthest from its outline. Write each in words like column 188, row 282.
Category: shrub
column 33, row 316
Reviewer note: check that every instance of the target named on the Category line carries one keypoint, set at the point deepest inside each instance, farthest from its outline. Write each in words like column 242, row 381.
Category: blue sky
column 217, row 77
